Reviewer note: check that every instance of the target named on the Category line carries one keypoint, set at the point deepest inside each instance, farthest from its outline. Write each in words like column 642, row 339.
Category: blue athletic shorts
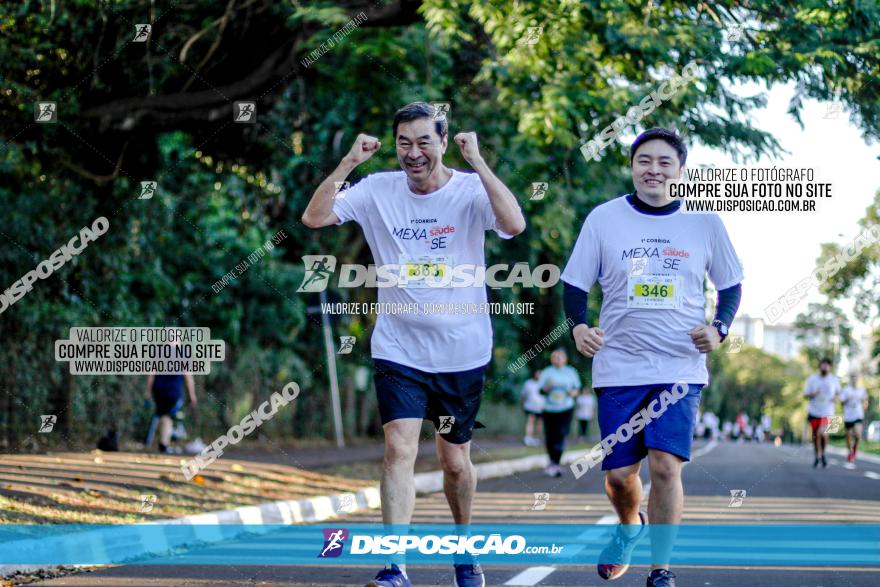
column 404, row 392
column 670, row 431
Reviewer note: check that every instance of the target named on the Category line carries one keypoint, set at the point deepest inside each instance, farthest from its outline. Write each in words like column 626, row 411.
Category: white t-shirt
column 651, row 270
column 444, row 227
column 533, row 401
column 853, row 406
column 586, row 404
column 828, row 387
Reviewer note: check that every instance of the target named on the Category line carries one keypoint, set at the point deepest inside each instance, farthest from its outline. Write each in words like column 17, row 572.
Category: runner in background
column 560, row 384
column 855, row 402
column 533, row 405
column 821, row 389
column 166, row 391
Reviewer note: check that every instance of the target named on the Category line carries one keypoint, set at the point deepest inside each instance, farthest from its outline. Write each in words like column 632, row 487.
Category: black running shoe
column 614, row 558
column 661, row 578
column 824, row 462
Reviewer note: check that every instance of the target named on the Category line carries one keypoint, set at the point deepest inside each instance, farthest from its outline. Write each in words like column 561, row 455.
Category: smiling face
column 655, row 162
column 420, row 150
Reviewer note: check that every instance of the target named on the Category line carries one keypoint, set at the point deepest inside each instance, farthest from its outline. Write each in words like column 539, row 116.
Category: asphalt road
column 781, row 487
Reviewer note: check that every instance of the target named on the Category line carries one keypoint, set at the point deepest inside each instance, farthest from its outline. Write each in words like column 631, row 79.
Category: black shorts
column 405, row 392
column 849, row 425
column 167, row 404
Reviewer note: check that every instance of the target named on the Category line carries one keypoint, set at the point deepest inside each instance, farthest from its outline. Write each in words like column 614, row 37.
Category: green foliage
column 130, row 112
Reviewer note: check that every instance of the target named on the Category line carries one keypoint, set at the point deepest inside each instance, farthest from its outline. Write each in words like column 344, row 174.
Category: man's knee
column 401, row 445
column 665, row 468
column 454, row 459
column 621, row 479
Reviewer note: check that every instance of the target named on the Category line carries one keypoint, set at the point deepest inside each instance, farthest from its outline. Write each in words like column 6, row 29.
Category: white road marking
column 534, row 575
column 531, row 576
column 871, row 475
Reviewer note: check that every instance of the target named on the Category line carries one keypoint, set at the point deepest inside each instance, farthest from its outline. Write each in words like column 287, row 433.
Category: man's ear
column 444, row 142
column 680, row 172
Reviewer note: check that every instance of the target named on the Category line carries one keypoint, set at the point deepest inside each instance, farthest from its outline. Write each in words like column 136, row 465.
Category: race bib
column 557, row 396
column 654, row 292
column 425, row 271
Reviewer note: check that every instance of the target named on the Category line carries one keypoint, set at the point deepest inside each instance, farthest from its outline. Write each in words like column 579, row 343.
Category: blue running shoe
column 614, row 559
column 392, row 577
column 469, row 576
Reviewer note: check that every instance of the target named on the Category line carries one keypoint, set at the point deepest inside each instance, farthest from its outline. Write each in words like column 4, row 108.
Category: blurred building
column 778, row 339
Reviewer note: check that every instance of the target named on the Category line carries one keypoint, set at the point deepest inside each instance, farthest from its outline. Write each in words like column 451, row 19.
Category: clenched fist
column 588, row 340
column 467, row 143
column 705, row 338
column 363, row 148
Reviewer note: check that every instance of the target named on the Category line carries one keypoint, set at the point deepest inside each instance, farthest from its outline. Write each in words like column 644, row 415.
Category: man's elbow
column 516, row 227
column 308, row 221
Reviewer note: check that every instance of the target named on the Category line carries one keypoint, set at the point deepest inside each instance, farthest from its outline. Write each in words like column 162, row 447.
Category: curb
column 306, row 510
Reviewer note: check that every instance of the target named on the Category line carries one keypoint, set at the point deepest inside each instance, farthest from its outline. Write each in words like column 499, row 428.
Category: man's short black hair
column 417, row 110
column 826, row 360
column 663, row 134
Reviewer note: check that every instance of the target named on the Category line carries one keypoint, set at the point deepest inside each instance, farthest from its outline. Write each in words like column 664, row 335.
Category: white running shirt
column 445, row 226
column 853, row 406
column 651, row 270
column 822, row 405
column 533, row 401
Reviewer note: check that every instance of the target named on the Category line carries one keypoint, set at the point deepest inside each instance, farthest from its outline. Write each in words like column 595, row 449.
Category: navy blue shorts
column 670, row 431
column 404, row 392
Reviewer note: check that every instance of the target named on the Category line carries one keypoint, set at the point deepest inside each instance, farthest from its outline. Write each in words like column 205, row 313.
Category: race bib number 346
column 654, row 292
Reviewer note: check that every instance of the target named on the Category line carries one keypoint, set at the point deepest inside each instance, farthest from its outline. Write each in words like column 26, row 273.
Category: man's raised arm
column 319, row 212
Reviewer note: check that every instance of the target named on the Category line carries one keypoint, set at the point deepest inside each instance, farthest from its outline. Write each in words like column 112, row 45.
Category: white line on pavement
column 534, row 575
column 531, row 576
column 871, row 475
